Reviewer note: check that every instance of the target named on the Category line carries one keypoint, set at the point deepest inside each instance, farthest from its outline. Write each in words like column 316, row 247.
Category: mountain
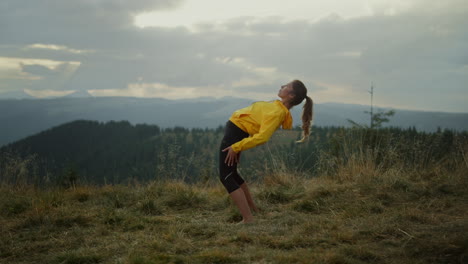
column 78, row 94
column 98, row 152
column 337, row 114
column 21, row 118
column 16, row 95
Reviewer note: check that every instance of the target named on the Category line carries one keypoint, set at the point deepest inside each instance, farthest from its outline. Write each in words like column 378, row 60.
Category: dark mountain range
column 23, row 117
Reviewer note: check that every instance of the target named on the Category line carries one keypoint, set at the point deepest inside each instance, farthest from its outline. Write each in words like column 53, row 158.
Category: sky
column 413, row 52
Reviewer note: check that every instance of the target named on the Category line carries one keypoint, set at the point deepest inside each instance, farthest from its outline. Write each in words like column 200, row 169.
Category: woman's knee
column 229, row 182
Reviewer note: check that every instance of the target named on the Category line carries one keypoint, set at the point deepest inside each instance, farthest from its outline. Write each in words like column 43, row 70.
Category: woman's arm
column 269, row 125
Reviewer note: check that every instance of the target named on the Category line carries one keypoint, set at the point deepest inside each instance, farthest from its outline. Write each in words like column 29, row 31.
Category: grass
column 392, row 217
column 357, row 210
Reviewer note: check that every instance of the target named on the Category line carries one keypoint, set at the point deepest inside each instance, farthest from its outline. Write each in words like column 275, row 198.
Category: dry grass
column 385, row 218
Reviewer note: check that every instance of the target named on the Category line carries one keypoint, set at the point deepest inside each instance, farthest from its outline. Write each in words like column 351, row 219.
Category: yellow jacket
column 260, row 120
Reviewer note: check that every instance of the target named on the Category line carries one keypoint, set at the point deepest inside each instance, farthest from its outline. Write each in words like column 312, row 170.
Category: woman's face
column 286, row 91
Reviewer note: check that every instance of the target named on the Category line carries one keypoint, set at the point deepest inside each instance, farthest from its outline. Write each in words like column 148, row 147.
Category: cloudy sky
column 414, row 51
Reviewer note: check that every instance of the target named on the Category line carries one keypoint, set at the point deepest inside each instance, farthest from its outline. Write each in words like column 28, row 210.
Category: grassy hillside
column 357, row 212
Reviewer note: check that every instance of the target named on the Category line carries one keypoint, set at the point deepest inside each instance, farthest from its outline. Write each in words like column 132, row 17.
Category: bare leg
column 248, row 197
column 240, row 200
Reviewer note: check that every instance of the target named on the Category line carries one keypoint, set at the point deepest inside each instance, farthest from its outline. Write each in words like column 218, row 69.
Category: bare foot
column 243, row 222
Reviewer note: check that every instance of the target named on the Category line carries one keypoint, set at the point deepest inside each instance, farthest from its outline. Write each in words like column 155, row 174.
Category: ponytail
column 307, row 116
column 300, row 92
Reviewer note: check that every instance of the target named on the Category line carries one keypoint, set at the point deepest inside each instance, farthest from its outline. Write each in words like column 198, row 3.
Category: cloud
column 35, row 74
column 148, row 90
column 47, row 93
column 57, row 47
column 405, row 49
column 72, row 23
column 50, row 78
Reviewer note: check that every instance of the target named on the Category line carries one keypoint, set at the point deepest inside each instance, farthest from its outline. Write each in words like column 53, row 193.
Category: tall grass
column 366, row 154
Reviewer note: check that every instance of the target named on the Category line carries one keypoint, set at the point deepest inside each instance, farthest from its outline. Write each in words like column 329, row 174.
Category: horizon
column 195, row 48
column 378, row 107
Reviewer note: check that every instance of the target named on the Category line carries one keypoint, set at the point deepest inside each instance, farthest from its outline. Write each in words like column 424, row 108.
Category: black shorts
column 228, row 174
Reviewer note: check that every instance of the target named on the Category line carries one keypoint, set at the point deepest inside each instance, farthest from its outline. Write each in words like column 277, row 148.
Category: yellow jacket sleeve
column 268, row 126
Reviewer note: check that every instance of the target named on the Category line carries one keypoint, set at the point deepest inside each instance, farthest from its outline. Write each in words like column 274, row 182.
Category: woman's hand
column 232, row 157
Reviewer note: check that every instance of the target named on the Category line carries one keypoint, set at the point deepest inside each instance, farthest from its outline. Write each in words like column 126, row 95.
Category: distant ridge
column 16, row 95
column 21, row 118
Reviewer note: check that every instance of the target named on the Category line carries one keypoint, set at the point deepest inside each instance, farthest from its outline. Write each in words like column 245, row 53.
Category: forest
column 117, row 152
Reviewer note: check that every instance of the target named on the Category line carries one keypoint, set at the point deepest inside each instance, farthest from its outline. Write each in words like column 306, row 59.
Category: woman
column 259, row 120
